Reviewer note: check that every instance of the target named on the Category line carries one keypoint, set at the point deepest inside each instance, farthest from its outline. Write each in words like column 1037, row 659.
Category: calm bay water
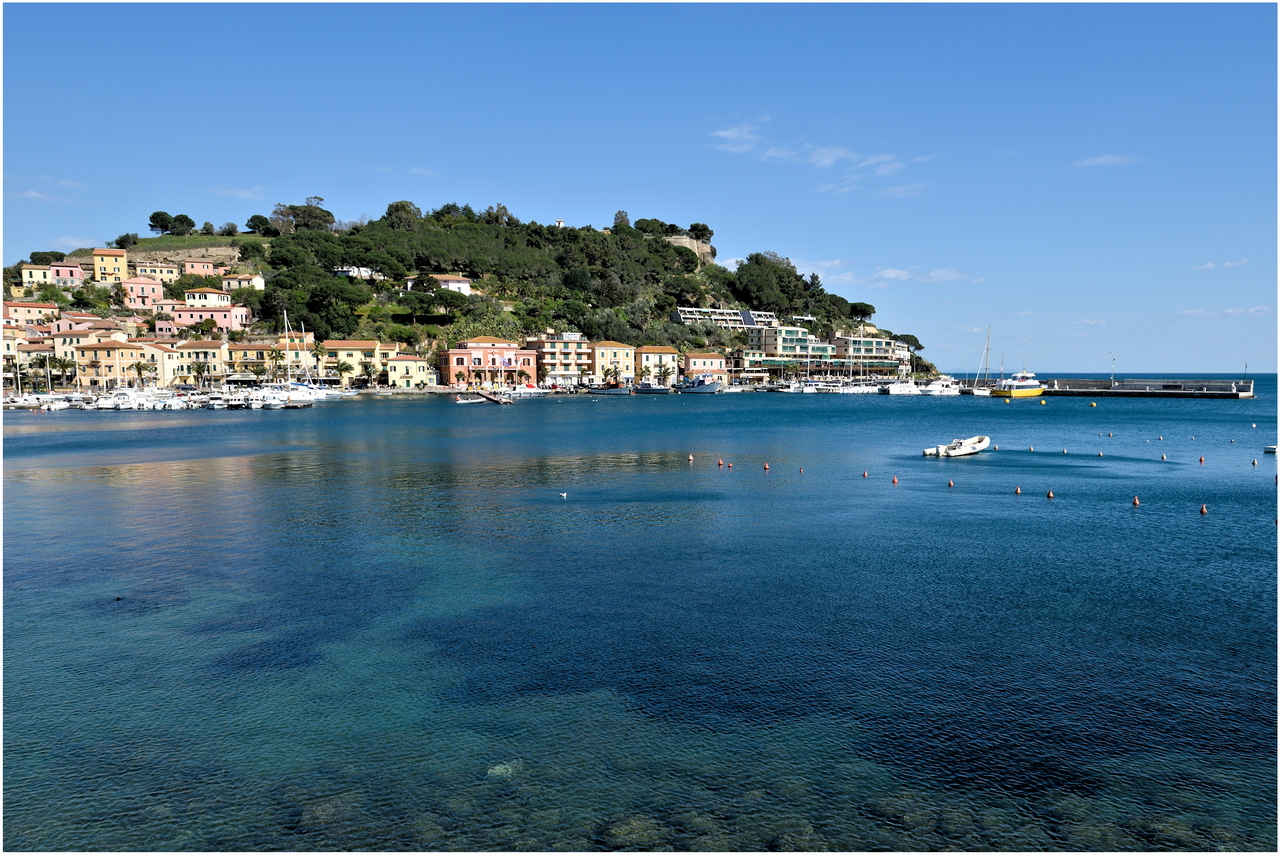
column 377, row 625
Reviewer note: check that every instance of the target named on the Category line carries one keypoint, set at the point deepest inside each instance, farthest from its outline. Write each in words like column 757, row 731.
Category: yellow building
column 110, row 265
column 408, row 372
column 613, row 356
column 652, row 358
column 368, row 358
column 159, row 271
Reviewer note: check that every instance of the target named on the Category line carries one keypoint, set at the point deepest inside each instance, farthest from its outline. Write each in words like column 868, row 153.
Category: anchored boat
column 959, row 447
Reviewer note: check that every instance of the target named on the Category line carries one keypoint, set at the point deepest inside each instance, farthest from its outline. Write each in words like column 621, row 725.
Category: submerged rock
column 507, row 771
column 637, row 832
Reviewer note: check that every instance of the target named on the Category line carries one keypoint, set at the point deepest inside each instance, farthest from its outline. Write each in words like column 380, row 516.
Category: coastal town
column 210, row 339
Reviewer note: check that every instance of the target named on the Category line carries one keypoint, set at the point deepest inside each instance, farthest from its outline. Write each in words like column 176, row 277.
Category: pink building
column 227, row 318
column 488, row 359
column 67, row 274
column 25, row 314
column 142, row 292
column 202, row 267
column 706, row 363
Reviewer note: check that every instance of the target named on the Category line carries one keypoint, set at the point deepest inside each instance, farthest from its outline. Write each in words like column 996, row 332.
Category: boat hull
column 960, row 447
column 1016, row 393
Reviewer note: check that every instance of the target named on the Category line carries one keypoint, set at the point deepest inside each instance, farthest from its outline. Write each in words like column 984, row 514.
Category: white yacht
column 905, row 386
column 943, row 385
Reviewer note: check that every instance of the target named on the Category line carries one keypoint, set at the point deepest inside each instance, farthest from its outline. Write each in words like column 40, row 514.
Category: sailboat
column 981, row 388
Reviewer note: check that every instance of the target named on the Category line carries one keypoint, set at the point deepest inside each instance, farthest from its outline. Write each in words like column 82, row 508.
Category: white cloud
column 827, row 155
column 32, row 194
column 777, row 153
column 923, row 159
column 903, row 190
column 1088, row 321
column 423, row 171
column 70, row 243
column 1256, row 310
column 977, row 280
column 1210, row 266
column 891, row 273
column 1108, row 160
column 66, row 182
column 738, row 138
column 946, row 274
column 251, row 193
column 889, row 168
column 1193, row 312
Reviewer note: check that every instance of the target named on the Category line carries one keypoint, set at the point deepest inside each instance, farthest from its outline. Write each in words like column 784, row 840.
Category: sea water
column 398, row 623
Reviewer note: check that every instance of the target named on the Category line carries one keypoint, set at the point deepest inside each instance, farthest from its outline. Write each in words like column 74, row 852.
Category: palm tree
column 610, row 374
column 664, row 373
column 367, row 371
column 522, row 376
column 199, row 369
column 343, row 368
column 320, row 352
column 139, row 368
column 277, row 357
column 257, row 371
column 645, row 372
column 460, row 376
column 62, row 365
column 583, row 371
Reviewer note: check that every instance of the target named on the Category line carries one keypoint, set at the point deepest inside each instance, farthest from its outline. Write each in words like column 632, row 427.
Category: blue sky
column 1091, row 181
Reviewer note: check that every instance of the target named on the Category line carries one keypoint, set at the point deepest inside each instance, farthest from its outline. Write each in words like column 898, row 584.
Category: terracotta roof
column 109, row 345
column 35, row 267
column 486, row 339
column 204, row 291
column 112, row 252
column 349, row 343
column 31, row 346
column 12, row 303
column 611, row 344
column 409, row 357
column 201, row 345
column 656, row 348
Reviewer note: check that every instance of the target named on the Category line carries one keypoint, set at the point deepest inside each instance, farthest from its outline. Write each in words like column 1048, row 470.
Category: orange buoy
column 730, row 465
column 690, row 458
column 1135, row 501
column 1204, row 509
column 864, row 473
column 1050, row 496
column 1202, row 458
column 951, row 483
column 895, row 479
column 720, row 462
column 1017, row 491
column 766, row 466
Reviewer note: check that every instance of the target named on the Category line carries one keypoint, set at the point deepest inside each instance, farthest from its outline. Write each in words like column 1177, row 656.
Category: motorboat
column 959, row 447
column 217, row 401
column 1268, row 449
column 609, row 390
column 647, row 388
column 702, row 384
column 528, row 390
column 783, row 386
column 1022, row 384
column 468, row 399
column 943, row 385
column 860, row 389
column 905, row 386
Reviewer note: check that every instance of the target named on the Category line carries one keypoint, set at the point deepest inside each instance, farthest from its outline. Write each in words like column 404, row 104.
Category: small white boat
column 982, row 391
column 945, row 384
column 902, row 387
column 468, row 399
column 1268, row 449
column 959, row 447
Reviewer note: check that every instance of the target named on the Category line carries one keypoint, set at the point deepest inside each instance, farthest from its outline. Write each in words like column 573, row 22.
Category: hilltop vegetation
column 618, row 283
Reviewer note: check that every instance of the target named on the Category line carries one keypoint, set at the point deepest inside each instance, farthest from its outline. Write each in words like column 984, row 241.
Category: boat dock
column 1162, row 388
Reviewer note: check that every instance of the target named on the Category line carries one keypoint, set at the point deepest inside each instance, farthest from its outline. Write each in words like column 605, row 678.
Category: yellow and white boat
column 1021, row 385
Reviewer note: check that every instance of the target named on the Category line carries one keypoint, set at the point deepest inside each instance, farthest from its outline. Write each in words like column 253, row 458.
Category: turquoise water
column 377, row 625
